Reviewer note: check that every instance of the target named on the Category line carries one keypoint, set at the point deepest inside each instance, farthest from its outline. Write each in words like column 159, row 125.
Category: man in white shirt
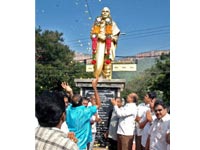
column 144, row 118
column 158, row 131
column 126, row 126
column 141, row 110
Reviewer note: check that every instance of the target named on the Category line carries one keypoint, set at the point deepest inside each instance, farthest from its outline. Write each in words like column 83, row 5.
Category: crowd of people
column 68, row 121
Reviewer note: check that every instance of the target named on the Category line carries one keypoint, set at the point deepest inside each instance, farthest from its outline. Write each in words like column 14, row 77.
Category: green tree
column 161, row 80
column 156, row 78
column 54, row 61
column 138, row 85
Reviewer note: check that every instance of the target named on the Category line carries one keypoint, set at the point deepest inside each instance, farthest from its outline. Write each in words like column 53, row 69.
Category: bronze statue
column 104, row 35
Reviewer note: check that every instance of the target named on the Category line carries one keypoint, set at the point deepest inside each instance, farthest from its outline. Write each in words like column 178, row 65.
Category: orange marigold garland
column 95, row 32
column 108, row 32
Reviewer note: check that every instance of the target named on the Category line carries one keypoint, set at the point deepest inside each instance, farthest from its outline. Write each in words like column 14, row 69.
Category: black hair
column 49, row 108
column 160, row 102
column 86, row 98
column 118, row 98
column 57, row 86
column 152, row 95
column 59, row 89
column 63, row 94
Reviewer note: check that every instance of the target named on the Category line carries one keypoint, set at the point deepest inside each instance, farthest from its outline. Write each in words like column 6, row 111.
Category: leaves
column 54, row 62
column 157, row 78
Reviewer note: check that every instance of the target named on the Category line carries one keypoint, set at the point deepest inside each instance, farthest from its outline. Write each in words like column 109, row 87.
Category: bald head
column 132, row 98
column 106, row 9
column 105, row 13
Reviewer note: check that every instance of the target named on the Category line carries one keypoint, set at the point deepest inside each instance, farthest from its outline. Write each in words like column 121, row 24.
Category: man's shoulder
column 49, row 130
column 54, row 137
column 141, row 105
column 93, row 107
column 166, row 117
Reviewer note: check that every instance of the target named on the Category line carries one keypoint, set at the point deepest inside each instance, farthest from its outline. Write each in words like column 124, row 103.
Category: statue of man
column 104, row 35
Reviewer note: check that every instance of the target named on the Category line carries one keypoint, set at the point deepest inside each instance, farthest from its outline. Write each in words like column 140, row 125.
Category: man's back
column 47, row 138
column 126, row 116
column 78, row 121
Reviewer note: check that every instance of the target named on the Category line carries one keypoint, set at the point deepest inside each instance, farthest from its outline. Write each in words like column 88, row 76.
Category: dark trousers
column 143, row 148
column 124, row 142
column 112, row 144
column 138, row 143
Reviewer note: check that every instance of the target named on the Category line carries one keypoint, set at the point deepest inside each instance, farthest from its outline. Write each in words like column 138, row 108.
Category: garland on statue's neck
column 95, row 32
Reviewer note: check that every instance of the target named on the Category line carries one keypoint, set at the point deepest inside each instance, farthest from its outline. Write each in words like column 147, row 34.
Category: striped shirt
column 47, row 138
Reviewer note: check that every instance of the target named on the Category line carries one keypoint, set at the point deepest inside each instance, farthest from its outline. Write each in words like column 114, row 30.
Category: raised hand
column 113, row 101
column 66, row 86
column 94, row 83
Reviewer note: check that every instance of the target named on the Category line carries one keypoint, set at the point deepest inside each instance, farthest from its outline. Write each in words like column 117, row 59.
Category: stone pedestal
column 108, row 89
column 113, row 84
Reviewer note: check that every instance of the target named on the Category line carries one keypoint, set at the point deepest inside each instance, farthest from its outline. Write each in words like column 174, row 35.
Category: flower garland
column 95, row 32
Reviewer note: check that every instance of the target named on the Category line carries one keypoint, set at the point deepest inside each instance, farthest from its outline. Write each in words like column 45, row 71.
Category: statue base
column 117, row 84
